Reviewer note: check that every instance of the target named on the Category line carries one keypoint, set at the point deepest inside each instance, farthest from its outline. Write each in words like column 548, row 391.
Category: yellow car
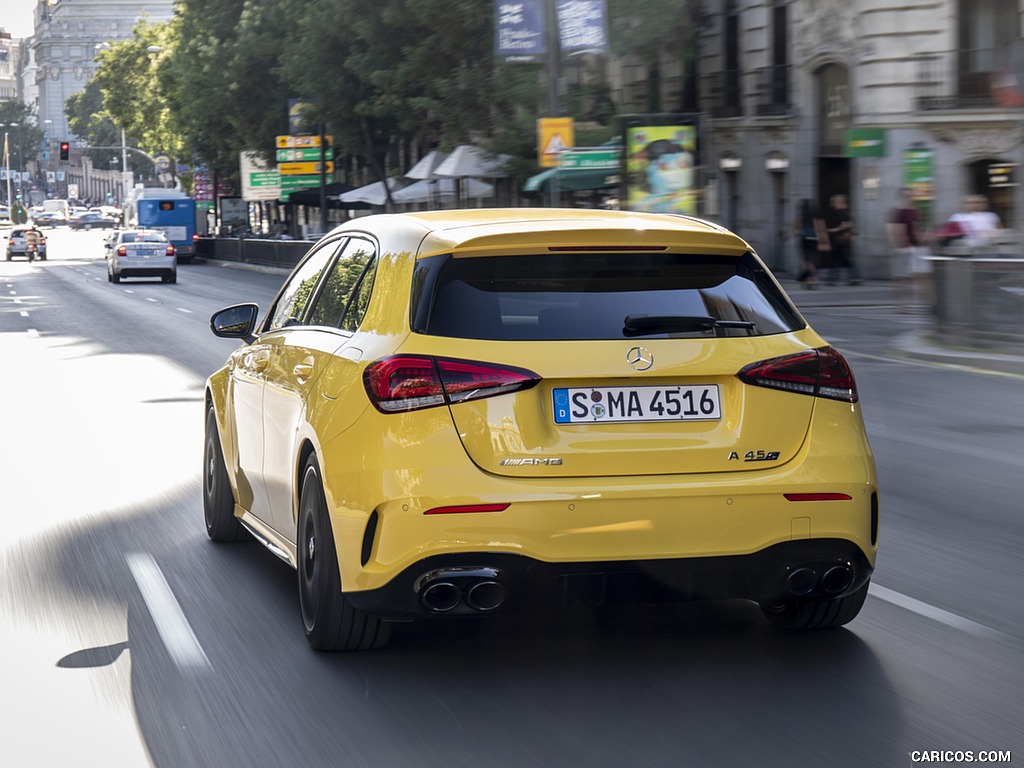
column 464, row 412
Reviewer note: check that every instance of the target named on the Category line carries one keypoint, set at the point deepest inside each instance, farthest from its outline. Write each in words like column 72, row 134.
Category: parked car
column 460, row 412
column 140, row 253
column 5, row 213
column 92, row 220
column 20, row 243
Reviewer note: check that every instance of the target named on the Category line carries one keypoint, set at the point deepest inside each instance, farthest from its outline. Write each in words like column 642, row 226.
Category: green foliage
column 24, row 137
column 386, row 78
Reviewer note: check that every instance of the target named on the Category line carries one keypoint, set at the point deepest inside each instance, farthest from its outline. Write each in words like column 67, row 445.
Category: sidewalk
column 914, row 345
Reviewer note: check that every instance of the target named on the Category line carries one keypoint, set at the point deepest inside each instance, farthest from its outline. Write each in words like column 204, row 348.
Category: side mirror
column 237, row 322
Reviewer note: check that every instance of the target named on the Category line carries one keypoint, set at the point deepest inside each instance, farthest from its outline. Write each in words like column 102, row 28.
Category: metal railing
column 268, row 253
column 958, row 79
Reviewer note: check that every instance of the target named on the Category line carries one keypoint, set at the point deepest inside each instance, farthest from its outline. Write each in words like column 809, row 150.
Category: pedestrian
column 977, row 222
column 838, row 247
column 910, row 269
column 807, row 238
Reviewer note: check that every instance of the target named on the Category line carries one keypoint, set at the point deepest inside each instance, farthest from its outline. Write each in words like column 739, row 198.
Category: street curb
column 918, row 345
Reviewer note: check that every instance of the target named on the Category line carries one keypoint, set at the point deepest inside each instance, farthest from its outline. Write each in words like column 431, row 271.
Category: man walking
column 837, row 248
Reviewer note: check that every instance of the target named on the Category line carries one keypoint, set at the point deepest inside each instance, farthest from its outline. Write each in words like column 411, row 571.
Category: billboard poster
column 919, row 178
column 661, row 164
column 582, row 26
column 519, row 30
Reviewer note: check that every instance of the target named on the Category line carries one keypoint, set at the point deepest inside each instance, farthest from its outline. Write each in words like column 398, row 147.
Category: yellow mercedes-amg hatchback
column 462, row 412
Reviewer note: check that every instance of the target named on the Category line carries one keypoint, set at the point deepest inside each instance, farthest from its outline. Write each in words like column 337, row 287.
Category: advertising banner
column 519, row 30
column 661, row 163
column 583, row 26
column 919, row 178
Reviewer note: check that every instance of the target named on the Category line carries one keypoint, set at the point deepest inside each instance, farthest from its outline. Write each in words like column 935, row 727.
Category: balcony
column 962, row 79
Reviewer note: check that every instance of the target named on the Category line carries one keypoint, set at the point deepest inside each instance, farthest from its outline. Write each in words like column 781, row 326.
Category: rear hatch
column 628, row 361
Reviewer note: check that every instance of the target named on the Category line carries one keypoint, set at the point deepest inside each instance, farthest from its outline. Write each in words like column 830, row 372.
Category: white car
column 141, row 253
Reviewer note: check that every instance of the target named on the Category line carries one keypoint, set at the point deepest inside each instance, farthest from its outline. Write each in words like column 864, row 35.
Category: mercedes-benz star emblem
column 640, row 358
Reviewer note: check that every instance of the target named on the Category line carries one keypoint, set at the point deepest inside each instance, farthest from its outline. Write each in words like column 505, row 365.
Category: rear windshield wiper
column 641, row 325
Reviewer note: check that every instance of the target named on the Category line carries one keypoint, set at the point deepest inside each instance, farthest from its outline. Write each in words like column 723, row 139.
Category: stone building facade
column 809, row 98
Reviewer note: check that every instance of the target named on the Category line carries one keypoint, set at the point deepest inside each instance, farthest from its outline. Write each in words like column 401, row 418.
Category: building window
column 774, row 80
column 986, row 29
column 732, row 96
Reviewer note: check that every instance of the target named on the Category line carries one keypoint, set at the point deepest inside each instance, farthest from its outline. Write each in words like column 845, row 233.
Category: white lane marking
column 32, row 333
column 128, row 291
column 170, row 621
column 186, row 311
column 930, row 364
column 13, row 293
column 150, row 298
column 931, row 612
column 23, row 313
column 17, row 301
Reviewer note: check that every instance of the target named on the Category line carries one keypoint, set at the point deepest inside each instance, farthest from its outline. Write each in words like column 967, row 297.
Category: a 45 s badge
column 755, row 456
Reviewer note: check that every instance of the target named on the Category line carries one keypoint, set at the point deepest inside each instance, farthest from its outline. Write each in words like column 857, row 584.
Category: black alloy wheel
column 330, row 621
column 218, row 500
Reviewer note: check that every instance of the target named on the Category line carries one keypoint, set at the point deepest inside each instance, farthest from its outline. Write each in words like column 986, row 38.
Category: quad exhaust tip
column 833, row 581
column 445, row 589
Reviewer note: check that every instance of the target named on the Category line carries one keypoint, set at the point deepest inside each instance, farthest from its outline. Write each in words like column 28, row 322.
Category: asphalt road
column 130, row 640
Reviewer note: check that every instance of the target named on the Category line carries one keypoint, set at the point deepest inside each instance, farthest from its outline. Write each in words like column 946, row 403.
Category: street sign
column 596, row 158
column 554, row 134
column 290, row 142
column 264, row 179
column 299, row 169
column 303, row 154
column 299, row 182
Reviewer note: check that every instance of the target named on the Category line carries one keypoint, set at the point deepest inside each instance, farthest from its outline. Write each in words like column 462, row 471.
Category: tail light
column 410, row 382
column 122, row 251
column 195, row 237
column 170, row 250
column 816, row 372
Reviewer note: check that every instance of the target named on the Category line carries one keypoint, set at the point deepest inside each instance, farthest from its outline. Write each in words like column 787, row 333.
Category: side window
column 344, row 289
column 292, row 301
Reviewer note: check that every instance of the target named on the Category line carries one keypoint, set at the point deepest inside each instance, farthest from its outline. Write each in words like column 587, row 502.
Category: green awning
column 573, row 179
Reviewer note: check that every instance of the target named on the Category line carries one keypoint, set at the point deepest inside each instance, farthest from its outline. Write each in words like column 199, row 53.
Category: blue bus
column 169, row 211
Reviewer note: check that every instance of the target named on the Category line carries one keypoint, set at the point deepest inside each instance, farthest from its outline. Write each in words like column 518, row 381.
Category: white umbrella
column 372, row 194
column 467, row 160
column 441, row 190
column 424, row 169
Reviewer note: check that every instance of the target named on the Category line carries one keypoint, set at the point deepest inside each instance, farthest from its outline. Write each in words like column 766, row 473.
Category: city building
column 9, row 52
column 806, row 99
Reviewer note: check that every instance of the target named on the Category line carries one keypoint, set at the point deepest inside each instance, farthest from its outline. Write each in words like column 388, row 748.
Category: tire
column 218, row 500
column 115, row 278
column 172, row 278
column 330, row 621
column 816, row 614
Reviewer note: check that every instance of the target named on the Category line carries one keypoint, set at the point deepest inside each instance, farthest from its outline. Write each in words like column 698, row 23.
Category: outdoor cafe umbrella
column 467, row 161
column 424, row 169
column 428, row 190
column 372, row 194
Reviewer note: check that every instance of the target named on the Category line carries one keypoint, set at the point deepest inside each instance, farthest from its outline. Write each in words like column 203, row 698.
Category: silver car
column 141, row 253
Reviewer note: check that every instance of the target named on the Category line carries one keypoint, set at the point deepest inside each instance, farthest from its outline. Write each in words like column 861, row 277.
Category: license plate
column 145, row 253
column 646, row 403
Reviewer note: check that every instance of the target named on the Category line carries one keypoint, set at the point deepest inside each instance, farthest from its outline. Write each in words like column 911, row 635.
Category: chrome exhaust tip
column 801, row 581
column 441, row 597
column 485, row 595
column 837, row 579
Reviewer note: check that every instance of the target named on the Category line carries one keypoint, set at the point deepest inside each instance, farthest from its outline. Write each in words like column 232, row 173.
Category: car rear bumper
column 481, row 582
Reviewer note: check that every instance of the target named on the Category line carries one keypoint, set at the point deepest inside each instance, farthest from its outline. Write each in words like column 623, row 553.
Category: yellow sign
column 293, row 142
column 554, row 134
column 299, row 169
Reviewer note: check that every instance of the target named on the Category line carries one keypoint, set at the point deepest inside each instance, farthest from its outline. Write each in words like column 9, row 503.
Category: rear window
column 590, row 296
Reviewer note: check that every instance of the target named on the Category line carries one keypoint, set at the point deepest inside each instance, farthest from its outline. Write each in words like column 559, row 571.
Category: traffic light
column 65, row 150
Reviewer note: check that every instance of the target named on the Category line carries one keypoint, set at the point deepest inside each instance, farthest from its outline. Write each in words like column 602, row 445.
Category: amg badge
column 530, row 462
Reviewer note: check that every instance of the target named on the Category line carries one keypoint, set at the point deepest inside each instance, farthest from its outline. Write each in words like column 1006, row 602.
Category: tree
column 88, row 121
column 24, row 137
column 128, row 79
